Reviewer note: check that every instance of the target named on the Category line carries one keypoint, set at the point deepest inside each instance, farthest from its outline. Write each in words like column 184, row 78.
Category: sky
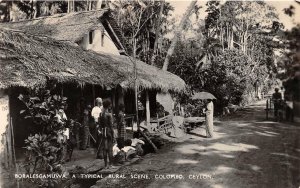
column 181, row 5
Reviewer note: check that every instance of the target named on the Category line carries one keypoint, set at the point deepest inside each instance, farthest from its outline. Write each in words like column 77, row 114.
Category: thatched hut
column 30, row 61
column 99, row 32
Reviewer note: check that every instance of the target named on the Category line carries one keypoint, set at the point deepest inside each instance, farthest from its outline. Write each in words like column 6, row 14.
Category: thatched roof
column 148, row 76
column 70, row 27
column 28, row 61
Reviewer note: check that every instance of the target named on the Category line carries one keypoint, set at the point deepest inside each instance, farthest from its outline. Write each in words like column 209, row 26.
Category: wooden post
column 9, row 145
column 94, row 96
column 147, row 108
column 113, row 91
column 136, row 97
column 62, row 89
column 267, row 109
column 13, row 144
column 4, row 157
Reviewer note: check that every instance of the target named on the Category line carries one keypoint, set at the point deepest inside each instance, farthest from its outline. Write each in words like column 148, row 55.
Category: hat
column 98, row 100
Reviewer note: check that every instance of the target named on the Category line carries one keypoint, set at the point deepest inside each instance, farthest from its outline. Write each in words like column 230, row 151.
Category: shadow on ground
column 247, row 151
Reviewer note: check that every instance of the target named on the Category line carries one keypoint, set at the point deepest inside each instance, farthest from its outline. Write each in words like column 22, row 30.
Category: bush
column 44, row 150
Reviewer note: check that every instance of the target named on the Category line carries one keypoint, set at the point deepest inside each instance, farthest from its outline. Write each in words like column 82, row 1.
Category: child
column 106, row 127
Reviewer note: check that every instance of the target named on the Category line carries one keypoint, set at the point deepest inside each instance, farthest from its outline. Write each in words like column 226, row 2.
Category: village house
column 85, row 54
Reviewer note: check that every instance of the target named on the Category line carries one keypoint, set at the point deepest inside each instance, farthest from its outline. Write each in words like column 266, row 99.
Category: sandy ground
column 247, row 151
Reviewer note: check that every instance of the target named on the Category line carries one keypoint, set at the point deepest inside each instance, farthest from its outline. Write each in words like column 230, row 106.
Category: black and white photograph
column 149, row 94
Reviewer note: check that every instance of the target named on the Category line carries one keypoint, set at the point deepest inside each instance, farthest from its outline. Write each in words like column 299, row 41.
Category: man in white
column 209, row 119
column 97, row 109
column 96, row 114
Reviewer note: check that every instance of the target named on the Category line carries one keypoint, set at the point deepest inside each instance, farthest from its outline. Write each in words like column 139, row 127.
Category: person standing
column 276, row 97
column 96, row 111
column 121, row 126
column 107, row 133
column 209, row 116
column 85, row 128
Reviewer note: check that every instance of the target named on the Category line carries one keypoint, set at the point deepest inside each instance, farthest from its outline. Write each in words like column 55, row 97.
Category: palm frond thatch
column 28, row 61
column 148, row 76
column 69, row 27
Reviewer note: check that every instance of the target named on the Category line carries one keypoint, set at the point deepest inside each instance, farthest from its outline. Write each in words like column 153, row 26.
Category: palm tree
column 178, row 32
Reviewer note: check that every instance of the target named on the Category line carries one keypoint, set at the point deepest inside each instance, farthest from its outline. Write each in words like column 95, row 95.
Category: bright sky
column 181, row 5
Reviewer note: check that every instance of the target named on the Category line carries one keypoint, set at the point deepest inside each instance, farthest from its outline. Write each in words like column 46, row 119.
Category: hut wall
column 99, row 42
column 5, row 131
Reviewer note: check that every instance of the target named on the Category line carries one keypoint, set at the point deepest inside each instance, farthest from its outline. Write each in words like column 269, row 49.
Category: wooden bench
column 191, row 123
column 163, row 124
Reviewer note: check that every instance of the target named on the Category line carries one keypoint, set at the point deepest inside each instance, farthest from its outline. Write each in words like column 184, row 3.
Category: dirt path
column 246, row 152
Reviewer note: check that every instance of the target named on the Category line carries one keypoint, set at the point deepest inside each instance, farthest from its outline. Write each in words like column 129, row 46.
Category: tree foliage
column 232, row 52
column 139, row 21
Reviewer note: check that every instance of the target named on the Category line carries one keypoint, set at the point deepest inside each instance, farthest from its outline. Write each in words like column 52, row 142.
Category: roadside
column 246, row 152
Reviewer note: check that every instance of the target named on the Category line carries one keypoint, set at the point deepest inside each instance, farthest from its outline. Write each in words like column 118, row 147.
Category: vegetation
column 231, row 53
column 290, row 61
column 45, row 149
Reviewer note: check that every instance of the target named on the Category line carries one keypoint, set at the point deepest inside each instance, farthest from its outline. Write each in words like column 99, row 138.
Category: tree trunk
column 221, row 32
column 71, row 6
column 157, row 32
column 228, row 37
column 231, row 40
column 177, row 33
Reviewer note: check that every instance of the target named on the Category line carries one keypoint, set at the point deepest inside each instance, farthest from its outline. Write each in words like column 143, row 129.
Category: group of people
column 94, row 124
column 97, row 124
column 103, row 120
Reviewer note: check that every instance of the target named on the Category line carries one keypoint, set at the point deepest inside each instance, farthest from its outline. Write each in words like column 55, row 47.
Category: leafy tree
column 178, row 31
column 289, row 62
column 138, row 21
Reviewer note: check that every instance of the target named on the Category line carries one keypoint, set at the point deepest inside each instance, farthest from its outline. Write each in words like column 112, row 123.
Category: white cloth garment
column 61, row 115
column 67, row 133
column 115, row 150
column 136, row 141
column 96, row 112
column 127, row 148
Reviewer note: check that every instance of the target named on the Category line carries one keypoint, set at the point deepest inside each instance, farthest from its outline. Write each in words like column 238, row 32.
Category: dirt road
column 246, row 152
